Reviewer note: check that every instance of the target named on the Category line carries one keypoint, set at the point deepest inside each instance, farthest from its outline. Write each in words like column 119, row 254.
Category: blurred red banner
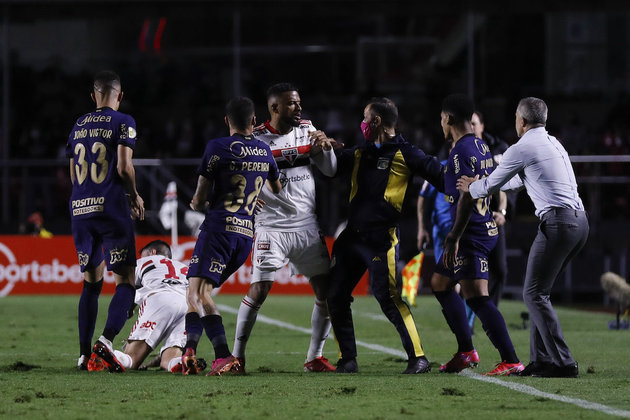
column 34, row 265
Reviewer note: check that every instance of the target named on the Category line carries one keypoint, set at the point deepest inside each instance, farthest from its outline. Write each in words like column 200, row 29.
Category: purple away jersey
column 238, row 166
column 101, row 223
column 93, row 144
column 470, row 157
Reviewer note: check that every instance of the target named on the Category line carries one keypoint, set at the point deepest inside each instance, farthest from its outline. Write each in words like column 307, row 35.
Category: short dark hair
column 240, row 111
column 480, row 115
column 386, row 109
column 533, row 111
column 161, row 247
column 106, row 81
column 279, row 88
column 459, row 106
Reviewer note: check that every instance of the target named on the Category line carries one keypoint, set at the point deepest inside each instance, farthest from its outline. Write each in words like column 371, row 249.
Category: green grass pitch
column 38, row 376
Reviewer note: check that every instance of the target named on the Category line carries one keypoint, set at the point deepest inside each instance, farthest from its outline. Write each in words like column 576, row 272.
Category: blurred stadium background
column 180, row 61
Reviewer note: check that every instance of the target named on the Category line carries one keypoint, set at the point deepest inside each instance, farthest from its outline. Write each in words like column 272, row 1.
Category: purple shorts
column 217, row 255
column 471, row 263
column 101, row 238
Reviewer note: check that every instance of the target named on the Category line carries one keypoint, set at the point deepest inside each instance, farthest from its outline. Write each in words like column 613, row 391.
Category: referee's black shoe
column 417, row 365
column 347, row 366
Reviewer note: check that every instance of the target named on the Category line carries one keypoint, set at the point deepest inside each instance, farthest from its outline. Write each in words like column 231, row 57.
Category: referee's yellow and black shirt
column 379, row 180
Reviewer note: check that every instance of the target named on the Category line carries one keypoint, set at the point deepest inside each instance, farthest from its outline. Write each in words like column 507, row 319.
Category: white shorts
column 161, row 316
column 305, row 252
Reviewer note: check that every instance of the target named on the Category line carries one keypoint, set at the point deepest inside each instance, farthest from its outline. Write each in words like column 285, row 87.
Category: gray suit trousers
column 561, row 235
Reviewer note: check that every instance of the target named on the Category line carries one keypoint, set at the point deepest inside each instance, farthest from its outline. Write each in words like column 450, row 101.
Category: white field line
column 525, row 389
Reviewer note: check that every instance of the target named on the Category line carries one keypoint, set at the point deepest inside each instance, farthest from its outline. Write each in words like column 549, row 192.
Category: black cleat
column 347, row 366
column 417, row 365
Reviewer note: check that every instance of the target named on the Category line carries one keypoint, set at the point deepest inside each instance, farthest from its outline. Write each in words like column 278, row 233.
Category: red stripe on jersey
column 301, row 150
column 145, row 264
column 270, row 128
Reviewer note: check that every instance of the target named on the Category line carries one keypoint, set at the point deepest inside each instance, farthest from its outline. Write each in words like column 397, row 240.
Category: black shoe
column 417, row 365
column 534, row 368
column 347, row 366
column 555, row 371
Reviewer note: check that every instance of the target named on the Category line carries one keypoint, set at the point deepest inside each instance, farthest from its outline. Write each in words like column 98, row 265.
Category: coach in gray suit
column 539, row 163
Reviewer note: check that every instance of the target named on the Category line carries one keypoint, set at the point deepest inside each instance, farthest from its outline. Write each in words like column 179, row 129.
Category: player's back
column 239, row 166
column 158, row 273
column 470, row 156
column 93, row 145
column 294, row 208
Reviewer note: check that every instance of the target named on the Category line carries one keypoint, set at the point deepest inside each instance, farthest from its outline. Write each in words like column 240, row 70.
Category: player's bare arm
column 451, row 242
column 128, row 174
column 274, row 186
column 198, row 202
column 423, row 235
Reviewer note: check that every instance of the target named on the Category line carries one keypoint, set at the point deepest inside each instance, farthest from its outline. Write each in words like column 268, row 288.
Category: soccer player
column 234, row 169
column 286, row 228
column 104, row 200
column 380, row 173
column 540, row 164
column 161, row 296
column 466, row 247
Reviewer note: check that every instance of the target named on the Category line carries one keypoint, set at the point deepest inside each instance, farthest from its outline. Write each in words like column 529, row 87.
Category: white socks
column 247, row 313
column 124, row 359
column 173, row 362
column 320, row 326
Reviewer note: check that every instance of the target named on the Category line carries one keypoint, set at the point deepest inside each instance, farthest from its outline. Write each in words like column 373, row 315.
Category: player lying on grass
column 161, row 296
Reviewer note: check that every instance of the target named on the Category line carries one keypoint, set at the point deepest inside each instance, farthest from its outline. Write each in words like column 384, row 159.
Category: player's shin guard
column 247, row 313
column 88, row 311
column 494, row 325
column 320, row 327
column 213, row 325
column 118, row 308
column 454, row 312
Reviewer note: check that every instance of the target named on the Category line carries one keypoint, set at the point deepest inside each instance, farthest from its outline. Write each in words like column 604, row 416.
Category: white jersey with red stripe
column 293, row 209
column 158, row 273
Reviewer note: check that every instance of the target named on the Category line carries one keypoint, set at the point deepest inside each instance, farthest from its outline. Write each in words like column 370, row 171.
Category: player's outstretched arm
column 322, row 152
column 128, row 174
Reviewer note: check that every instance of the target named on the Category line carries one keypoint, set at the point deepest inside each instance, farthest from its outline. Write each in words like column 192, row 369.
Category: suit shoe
column 417, row 365
column 347, row 366
column 555, row 371
column 534, row 368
